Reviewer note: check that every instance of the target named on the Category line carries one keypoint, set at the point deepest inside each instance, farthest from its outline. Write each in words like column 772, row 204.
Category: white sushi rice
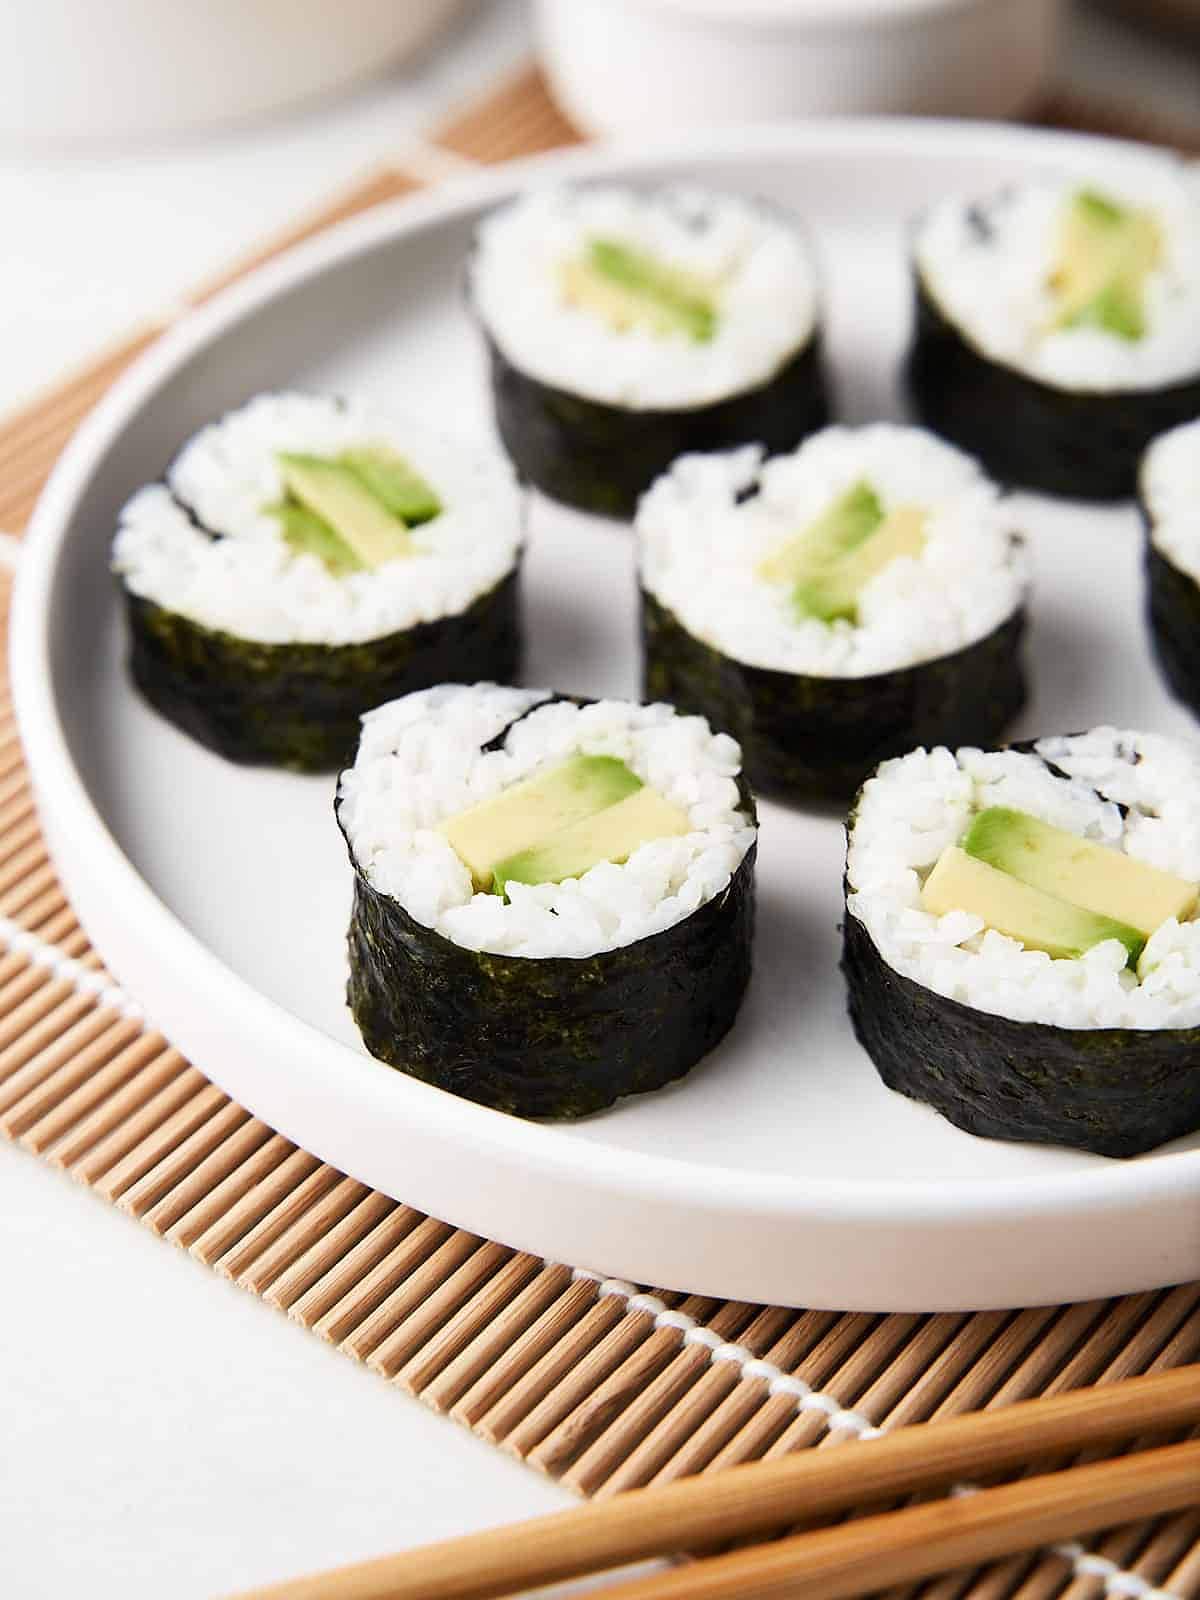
column 250, row 583
column 421, row 761
column 918, row 804
column 702, row 541
column 767, row 298
column 1170, row 488
column 986, row 265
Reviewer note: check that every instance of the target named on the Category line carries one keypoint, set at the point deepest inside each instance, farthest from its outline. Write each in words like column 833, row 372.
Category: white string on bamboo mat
column 85, row 980
column 1117, row 1581
column 778, row 1381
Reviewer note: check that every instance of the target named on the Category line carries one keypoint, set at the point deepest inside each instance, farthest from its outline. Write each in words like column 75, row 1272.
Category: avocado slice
column 1041, row 921
column 850, row 520
column 308, row 534
column 337, row 495
column 394, row 482
column 834, row 592
column 610, row 835
column 1105, row 255
column 630, row 288
column 1093, row 876
column 528, row 812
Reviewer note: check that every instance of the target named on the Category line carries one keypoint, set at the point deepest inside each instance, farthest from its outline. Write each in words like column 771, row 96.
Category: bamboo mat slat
column 601, row 1384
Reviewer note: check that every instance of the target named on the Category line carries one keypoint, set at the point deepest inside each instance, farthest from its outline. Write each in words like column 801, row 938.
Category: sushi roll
column 553, row 899
column 1021, row 943
column 1170, row 494
column 307, row 558
column 835, row 606
column 1058, row 326
column 626, row 327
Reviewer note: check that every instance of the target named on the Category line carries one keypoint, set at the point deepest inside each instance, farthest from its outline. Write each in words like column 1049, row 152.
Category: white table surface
column 163, row 1434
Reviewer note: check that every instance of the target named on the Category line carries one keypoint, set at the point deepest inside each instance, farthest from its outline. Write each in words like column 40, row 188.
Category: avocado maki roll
column 626, row 327
column 1058, row 325
column 306, row 558
column 1170, row 497
column 835, row 606
column 1021, row 943
column 553, row 899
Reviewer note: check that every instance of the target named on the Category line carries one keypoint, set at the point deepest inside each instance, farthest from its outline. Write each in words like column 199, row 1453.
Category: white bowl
column 622, row 66
column 129, row 68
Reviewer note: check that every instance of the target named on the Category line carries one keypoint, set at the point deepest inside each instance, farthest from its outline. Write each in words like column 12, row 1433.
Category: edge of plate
column 817, row 1242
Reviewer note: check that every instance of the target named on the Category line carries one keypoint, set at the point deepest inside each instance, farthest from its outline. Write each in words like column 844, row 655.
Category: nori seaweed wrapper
column 814, row 740
column 1113, row 1091
column 1173, row 610
column 602, row 457
column 1081, row 443
column 556, row 1037
column 298, row 705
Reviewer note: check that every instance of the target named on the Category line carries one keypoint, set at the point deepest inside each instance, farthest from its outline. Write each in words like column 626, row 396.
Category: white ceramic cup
column 74, row 69
column 621, row 66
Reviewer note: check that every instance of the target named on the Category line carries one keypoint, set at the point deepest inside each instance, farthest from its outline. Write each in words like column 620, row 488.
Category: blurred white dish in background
column 620, row 66
column 129, row 68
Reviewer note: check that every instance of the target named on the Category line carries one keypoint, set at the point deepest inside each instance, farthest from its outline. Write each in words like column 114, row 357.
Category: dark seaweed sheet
column 298, row 705
column 603, row 457
column 814, row 740
column 559, row 1037
column 1173, row 610
column 1081, row 443
column 1113, row 1091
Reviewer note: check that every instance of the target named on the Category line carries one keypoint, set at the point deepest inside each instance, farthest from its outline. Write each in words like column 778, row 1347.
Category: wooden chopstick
column 873, row 1553
column 764, row 1497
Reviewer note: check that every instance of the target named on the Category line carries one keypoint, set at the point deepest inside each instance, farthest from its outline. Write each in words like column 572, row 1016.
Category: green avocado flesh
column 832, row 561
column 610, row 835
column 354, row 511
column 834, row 592
column 308, row 534
column 836, row 533
column 1040, row 921
column 398, row 488
column 629, row 288
column 529, row 812
column 1092, row 876
column 1105, row 255
column 337, row 495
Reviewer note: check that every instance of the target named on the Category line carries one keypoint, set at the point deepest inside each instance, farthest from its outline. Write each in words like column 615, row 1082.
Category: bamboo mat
column 599, row 1383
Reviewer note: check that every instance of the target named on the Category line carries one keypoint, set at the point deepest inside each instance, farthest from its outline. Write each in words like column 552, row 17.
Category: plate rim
column 69, row 813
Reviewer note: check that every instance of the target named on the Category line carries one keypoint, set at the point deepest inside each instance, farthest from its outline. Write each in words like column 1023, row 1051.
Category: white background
column 162, row 1433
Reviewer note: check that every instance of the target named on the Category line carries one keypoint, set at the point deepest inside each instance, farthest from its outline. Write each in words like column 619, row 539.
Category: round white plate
column 780, row 1170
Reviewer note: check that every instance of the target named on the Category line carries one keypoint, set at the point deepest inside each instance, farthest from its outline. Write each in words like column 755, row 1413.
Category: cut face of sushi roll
column 554, row 900
column 625, row 328
column 1021, row 943
column 1170, row 500
column 1058, row 325
column 833, row 607
column 306, row 559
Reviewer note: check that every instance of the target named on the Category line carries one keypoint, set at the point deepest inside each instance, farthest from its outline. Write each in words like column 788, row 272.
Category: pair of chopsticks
column 857, row 1557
